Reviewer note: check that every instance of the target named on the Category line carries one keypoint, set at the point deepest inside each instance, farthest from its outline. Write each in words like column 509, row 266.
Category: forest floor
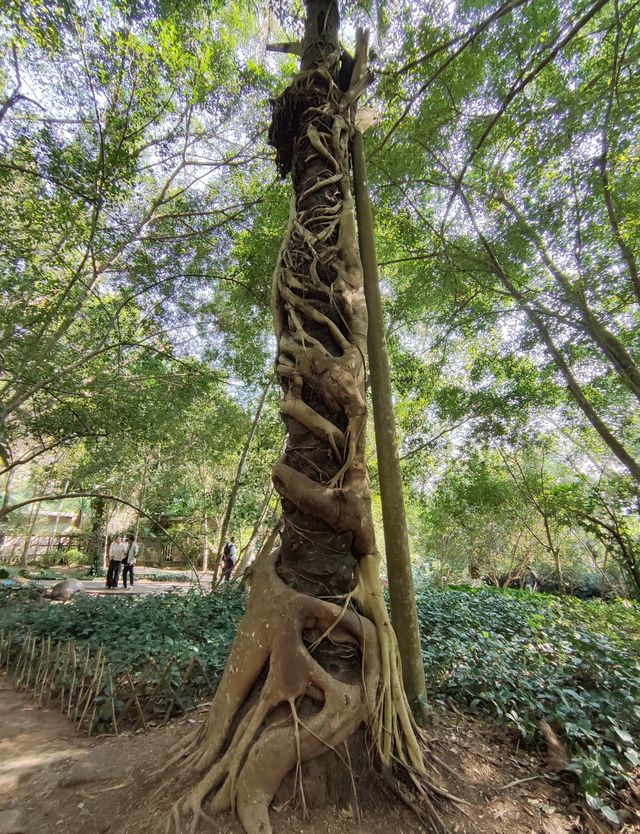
column 53, row 781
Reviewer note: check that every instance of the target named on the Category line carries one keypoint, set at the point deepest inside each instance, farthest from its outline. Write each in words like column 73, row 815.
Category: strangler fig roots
column 246, row 773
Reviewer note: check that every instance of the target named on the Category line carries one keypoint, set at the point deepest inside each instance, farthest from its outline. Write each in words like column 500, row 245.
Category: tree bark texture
column 98, row 535
column 315, row 658
column 404, row 614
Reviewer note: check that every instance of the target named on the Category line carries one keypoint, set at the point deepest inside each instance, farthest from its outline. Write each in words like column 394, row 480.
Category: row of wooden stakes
column 81, row 680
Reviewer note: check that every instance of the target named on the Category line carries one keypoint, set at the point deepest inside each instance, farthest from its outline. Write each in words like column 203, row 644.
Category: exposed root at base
column 246, row 773
column 241, row 754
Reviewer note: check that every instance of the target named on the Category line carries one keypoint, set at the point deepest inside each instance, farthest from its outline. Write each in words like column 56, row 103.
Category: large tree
column 315, row 658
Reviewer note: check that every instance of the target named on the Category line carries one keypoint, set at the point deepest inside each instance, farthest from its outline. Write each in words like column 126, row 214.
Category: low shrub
column 170, row 626
column 526, row 657
column 71, row 556
column 164, row 577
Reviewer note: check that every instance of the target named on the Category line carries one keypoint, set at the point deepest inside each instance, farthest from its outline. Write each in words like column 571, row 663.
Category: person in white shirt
column 116, row 555
column 131, row 550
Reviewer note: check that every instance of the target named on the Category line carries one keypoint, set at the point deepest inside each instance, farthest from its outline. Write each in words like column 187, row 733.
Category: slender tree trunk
column 315, row 659
column 98, row 536
column 143, row 493
column 573, row 386
column 205, row 544
column 555, row 552
column 237, row 481
column 33, row 519
column 247, row 552
column 57, row 521
column 205, row 516
column 267, row 547
column 404, row 614
column 6, row 498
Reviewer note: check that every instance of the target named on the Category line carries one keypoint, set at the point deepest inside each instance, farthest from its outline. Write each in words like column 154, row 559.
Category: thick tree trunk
column 315, row 658
column 404, row 614
column 237, row 482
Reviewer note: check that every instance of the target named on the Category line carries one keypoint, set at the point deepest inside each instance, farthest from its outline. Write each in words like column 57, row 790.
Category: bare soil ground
column 53, row 781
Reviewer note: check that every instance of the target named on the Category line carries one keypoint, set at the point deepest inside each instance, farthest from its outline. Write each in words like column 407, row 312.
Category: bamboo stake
column 134, row 697
column 137, row 702
column 89, row 690
column 45, row 673
column 40, row 666
column 32, row 655
column 73, row 679
column 113, row 702
column 205, row 675
column 159, row 683
column 55, row 673
column 82, row 682
column 95, row 699
column 174, row 696
column 8, row 644
column 22, row 659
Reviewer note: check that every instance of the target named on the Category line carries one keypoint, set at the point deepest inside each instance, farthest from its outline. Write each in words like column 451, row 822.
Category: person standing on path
column 130, row 556
column 229, row 555
column 116, row 555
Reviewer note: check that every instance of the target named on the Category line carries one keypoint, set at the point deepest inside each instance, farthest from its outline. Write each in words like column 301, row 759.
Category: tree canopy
column 141, row 218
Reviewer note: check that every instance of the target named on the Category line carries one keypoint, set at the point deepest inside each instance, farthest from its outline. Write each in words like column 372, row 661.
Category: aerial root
column 244, row 750
column 423, row 806
column 249, row 769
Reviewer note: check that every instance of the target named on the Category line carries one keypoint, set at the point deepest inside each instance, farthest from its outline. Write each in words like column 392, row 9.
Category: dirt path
column 32, row 741
column 53, row 781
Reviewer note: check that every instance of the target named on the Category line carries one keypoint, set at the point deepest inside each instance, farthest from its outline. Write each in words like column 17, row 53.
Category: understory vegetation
column 525, row 657
column 513, row 655
column 171, row 626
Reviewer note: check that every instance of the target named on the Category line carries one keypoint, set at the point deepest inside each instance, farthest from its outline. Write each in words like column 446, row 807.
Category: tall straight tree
column 315, row 659
column 402, row 598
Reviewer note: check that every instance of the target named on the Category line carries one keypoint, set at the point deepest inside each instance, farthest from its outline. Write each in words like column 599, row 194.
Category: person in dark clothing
column 130, row 556
column 229, row 555
column 116, row 555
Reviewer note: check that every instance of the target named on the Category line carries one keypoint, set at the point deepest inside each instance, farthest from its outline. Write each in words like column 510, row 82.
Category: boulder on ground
column 63, row 591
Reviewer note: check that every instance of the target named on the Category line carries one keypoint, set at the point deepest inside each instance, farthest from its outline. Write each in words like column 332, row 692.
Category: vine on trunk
column 315, row 657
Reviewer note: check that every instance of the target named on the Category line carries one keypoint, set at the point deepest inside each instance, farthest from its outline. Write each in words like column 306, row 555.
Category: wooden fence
column 82, row 682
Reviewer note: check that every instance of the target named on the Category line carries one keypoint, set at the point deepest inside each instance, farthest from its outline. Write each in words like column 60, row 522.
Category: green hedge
column 524, row 657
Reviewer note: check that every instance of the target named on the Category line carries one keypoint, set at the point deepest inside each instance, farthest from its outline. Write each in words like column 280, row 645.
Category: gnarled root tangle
column 246, row 771
column 304, row 672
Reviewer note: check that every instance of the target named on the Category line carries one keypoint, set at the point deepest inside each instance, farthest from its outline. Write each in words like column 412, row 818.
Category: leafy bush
column 525, row 657
column 131, row 630
column 164, row 577
column 71, row 556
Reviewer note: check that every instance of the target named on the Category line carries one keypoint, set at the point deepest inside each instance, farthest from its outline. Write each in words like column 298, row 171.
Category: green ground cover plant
column 164, row 577
column 518, row 656
column 170, row 626
column 525, row 657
